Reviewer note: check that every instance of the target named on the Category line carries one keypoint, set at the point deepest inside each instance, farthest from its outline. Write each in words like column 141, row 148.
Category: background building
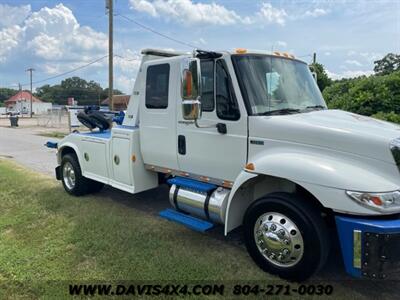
column 120, row 102
column 21, row 103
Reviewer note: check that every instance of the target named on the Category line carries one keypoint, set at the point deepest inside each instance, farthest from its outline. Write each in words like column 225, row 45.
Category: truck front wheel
column 73, row 181
column 286, row 236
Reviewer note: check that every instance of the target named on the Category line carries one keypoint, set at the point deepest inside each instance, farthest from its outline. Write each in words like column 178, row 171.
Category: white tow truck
column 245, row 139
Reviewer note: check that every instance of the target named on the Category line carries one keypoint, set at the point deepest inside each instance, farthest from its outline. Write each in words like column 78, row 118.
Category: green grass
column 49, row 239
column 54, row 134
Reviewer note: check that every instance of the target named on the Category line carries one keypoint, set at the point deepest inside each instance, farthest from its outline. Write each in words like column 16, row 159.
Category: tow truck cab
column 246, row 139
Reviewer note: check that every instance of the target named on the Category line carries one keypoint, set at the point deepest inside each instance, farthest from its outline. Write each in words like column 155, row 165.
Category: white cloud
column 9, row 39
column 144, row 6
column 348, row 74
column 51, row 34
column 12, row 15
column 371, row 56
column 272, row 15
column 124, row 83
column 327, row 53
column 353, row 62
column 317, row 12
column 188, row 12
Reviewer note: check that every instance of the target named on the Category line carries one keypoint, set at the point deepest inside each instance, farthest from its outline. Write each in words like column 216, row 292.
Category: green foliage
column 390, row 117
column 6, row 93
column 376, row 95
column 322, row 78
column 388, row 64
column 85, row 92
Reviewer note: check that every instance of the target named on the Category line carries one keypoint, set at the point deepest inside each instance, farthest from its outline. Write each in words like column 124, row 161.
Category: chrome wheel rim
column 278, row 239
column 69, row 175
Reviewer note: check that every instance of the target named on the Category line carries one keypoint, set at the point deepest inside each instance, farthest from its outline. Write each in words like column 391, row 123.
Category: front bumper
column 370, row 248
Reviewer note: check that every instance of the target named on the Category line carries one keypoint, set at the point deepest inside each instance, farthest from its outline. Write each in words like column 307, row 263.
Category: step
column 186, row 220
column 192, row 184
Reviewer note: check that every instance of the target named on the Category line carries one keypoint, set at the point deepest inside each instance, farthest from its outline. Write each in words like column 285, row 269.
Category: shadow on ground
column 153, row 201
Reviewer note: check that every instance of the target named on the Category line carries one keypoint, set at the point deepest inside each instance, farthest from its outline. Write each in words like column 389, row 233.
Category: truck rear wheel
column 286, row 236
column 73, row 181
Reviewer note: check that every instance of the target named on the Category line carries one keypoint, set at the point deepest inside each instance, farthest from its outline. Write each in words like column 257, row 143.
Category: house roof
column 118, row 100
column 22, row 95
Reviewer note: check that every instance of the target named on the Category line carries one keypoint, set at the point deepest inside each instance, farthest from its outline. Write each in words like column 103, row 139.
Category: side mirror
column 191, row 109
column 191, row 89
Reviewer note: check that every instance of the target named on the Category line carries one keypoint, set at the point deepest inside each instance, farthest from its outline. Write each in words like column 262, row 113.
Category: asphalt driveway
column 27, row 148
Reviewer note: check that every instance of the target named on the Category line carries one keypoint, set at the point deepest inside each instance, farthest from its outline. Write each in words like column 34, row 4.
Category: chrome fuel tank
column 209, row 206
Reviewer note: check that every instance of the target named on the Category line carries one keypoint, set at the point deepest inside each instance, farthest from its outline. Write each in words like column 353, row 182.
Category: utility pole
column 30, row 70
column 314, row 58
column 109, row 6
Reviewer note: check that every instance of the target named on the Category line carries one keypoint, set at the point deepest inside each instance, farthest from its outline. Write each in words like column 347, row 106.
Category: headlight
column 395, row 148
column 379, row 201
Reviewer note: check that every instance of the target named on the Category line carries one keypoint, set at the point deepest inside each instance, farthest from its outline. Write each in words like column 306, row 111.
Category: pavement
column 27, row 148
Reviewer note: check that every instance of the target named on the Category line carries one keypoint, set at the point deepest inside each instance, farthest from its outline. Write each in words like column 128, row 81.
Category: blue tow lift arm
column 52, row 145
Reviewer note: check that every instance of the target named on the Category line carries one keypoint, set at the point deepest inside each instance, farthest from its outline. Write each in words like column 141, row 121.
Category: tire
column 73, row 181
column 85, row 120
column 99, row 120
column 298, row 245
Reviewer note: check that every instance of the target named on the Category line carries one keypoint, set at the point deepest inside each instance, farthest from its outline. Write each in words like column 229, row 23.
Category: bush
column 390, row 117
column 367, row 95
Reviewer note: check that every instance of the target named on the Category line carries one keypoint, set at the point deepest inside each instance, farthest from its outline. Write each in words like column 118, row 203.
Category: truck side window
column 207, row 85
column 227, row 106
column 157, row 84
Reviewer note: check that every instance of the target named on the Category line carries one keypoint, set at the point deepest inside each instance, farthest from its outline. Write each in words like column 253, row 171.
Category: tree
column 85, row 92
column 104, row 93
column 322, row 78
column 6, row 93
column 388, row 64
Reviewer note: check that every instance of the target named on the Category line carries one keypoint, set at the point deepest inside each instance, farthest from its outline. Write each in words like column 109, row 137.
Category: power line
column 64, row 73
column 156, row 32
column 71, row 71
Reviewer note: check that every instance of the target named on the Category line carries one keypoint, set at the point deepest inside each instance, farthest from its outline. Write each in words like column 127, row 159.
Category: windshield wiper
column 283, row 111
column 315, row 107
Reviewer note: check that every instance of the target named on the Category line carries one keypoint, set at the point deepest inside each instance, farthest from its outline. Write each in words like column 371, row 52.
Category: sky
column 55, row 37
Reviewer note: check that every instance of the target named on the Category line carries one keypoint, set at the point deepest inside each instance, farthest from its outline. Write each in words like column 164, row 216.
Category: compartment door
column 121, row 160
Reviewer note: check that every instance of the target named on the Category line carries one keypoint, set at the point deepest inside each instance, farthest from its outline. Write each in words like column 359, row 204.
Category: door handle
column 221, row 127
column 181, row 144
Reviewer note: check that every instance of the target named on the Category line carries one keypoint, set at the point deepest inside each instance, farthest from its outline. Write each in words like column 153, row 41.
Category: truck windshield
column 276, row 85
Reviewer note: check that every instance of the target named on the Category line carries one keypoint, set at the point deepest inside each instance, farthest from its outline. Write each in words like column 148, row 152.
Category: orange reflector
column 204, row 178
column 241, row 51
column 376, row 200
column 277, row 53
column 285, row 54
column 250, row 166
column 227, row 184
column 189, row 79
column 133, row 157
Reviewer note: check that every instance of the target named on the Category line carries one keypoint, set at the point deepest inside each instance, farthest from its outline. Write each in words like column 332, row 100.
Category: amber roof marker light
column 250, row 167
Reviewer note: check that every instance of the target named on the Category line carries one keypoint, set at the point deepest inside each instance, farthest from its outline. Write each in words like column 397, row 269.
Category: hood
column 334, row 129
